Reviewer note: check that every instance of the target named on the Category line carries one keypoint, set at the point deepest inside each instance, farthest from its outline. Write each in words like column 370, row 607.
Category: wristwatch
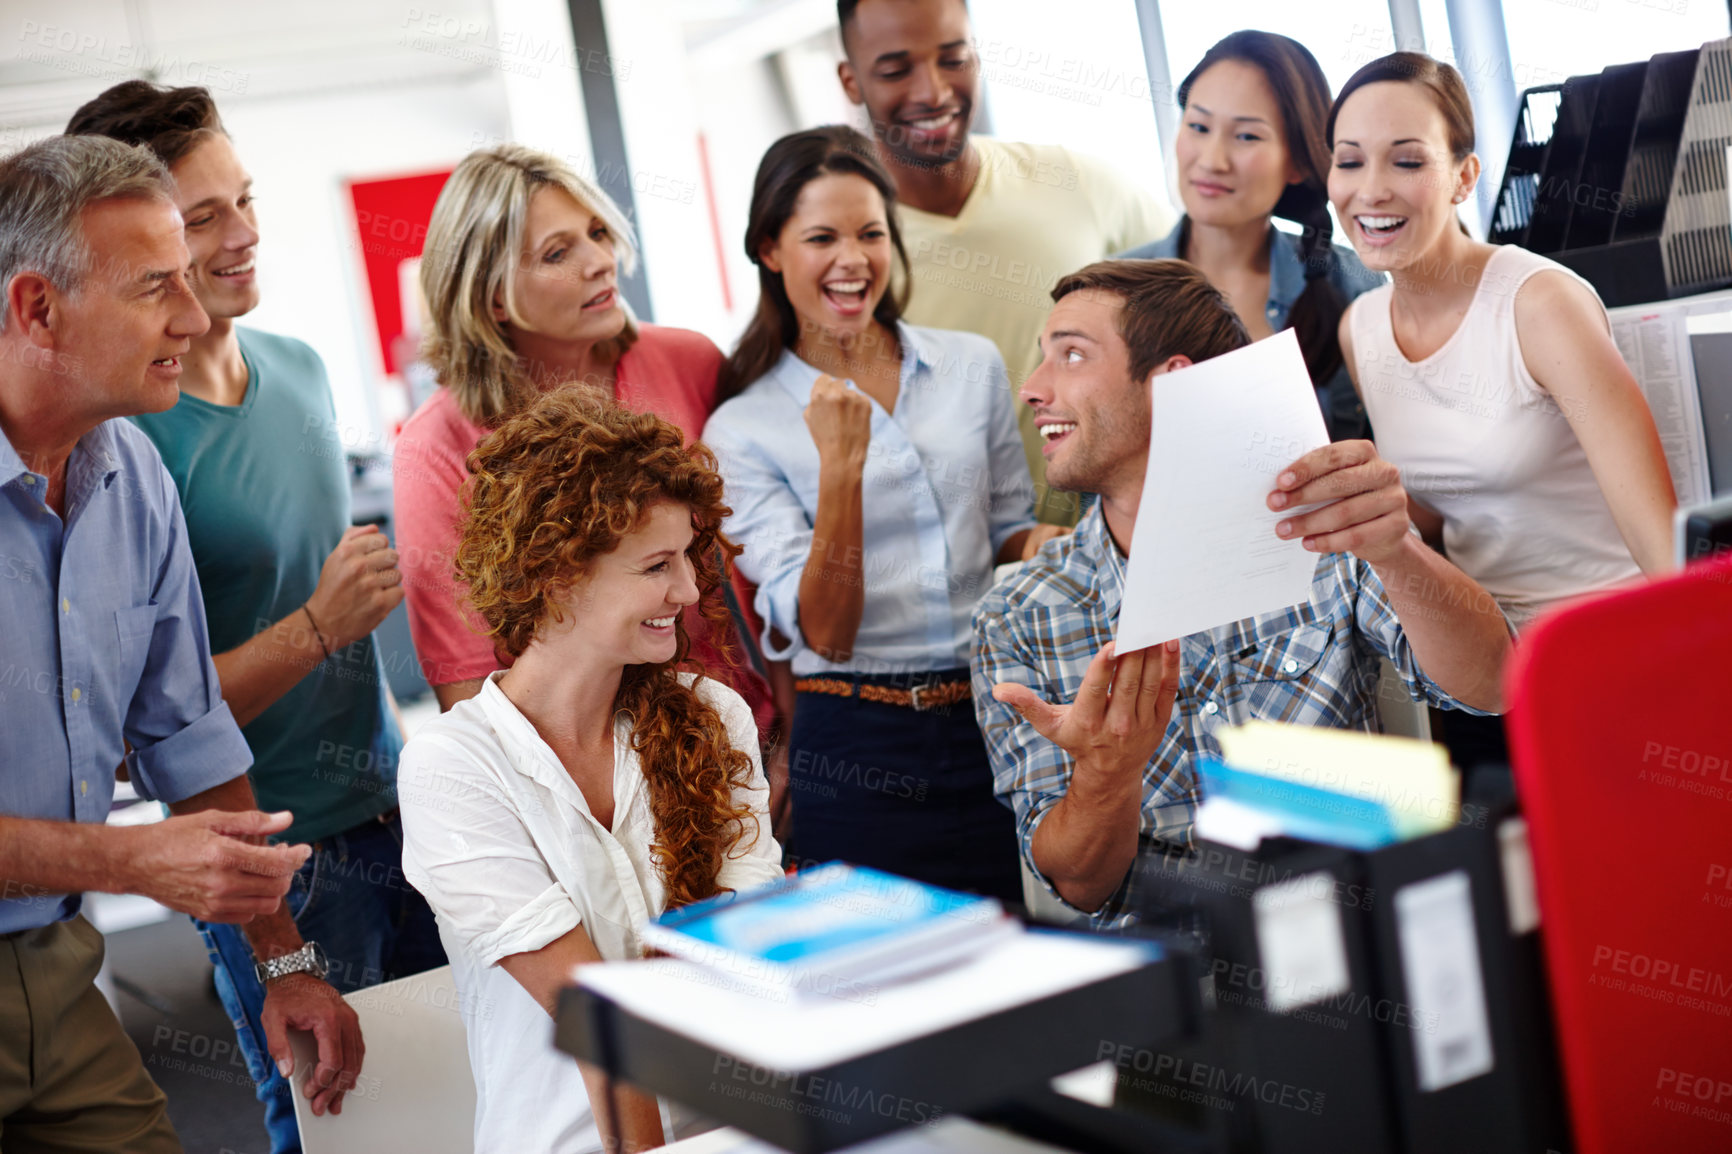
column 309, row 959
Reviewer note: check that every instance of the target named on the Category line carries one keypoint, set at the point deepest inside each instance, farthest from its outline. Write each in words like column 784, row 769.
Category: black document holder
column 970, row 1068
column 1291, row 1083
column 1358, row 1049
column 1482, row 1113
column 1517, row 1107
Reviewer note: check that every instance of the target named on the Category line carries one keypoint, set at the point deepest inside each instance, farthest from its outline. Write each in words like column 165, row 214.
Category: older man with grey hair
column 107, row 657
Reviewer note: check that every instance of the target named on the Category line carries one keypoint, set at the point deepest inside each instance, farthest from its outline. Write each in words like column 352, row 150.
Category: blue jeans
column 351, row 898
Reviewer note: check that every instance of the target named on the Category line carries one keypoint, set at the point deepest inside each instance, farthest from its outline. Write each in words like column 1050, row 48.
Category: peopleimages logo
column 1662, row 980
column 811, row 1094
column 1169, row 1069
column 1691, row 978
column 88, row 54
column 1695, row 1095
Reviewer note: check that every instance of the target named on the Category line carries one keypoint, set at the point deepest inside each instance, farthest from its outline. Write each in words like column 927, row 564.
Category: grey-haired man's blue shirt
column 105, row 644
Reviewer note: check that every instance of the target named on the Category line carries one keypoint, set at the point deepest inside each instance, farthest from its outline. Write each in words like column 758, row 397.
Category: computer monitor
column 1703, row 531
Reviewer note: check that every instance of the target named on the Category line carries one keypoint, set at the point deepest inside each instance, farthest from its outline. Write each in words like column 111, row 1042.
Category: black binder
column 1441, row 1040
column 1296, row 1082
column 1454, row 1070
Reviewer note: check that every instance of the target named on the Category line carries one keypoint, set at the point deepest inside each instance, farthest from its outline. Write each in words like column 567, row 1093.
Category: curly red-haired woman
column 602, row 778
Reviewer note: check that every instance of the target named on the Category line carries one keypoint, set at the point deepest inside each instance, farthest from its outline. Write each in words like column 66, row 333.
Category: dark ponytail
column 1316, row 315
column 789, row 165
column 1302, row 94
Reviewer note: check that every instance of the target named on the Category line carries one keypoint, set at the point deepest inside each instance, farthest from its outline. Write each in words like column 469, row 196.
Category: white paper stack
column 797, row 1034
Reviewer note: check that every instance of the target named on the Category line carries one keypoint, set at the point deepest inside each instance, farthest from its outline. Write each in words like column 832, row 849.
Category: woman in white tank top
column 1488, row 372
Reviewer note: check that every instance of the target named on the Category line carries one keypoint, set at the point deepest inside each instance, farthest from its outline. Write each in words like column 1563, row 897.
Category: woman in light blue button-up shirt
column 876, row 476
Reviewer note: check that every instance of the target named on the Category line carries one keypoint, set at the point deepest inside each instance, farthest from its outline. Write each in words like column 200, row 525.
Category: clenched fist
column 840, row 418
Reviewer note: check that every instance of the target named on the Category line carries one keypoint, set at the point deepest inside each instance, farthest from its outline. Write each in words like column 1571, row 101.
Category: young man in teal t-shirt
column 292, row 594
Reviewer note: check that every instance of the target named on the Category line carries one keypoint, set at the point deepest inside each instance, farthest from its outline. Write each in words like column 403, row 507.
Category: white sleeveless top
column 1481, row 443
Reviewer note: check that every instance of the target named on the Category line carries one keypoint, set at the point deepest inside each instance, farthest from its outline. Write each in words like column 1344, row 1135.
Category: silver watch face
column 321, row 965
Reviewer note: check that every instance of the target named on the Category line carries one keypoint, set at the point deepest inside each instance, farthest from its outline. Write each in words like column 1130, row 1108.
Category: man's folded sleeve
column 1030, row 774
column 1382, row 629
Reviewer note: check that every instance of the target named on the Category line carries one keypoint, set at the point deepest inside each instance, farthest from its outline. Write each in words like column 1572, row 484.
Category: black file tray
column 969, row 1068
column 1484, row 1114
column 1598, row 196
column 1590, row 174
column 1275, row 1083
column 1625, row 264
column 1561, row 175
column 1527, row 158
column 1360, row 1058
column 1654, row 145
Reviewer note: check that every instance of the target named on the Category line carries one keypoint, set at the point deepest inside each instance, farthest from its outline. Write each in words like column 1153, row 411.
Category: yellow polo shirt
column 1037, row 212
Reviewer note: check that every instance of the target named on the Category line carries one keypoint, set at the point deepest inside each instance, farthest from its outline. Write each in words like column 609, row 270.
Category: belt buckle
column 914, row 697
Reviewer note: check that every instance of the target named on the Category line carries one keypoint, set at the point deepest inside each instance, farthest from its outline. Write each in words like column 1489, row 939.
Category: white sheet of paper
column 1654, row 340
column 1221, row 819
column 796, row 1035
column 1204, row 551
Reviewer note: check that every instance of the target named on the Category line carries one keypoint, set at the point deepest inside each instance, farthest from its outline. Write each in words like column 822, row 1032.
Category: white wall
column 743, row 114
column 314, row 93
column 299, row 152
column 659, row 105
column 1078, row 80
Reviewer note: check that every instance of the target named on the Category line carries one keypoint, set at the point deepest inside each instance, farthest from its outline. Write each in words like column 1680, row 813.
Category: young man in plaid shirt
column 1096, row 753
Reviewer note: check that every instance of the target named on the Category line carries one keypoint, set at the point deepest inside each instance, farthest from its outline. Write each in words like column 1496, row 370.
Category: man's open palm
column 1120, row 714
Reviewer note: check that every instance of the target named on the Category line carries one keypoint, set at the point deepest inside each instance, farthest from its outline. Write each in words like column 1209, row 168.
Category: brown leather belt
column 919, row 698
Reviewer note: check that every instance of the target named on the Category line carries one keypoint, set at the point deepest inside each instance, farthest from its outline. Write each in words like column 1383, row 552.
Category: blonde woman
column 520, row 275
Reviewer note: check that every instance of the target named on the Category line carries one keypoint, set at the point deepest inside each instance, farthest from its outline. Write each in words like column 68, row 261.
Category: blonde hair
column 475, row 243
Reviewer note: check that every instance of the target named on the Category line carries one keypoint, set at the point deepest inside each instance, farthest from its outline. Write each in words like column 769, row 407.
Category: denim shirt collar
column 1286, row 276
column 1286, row 269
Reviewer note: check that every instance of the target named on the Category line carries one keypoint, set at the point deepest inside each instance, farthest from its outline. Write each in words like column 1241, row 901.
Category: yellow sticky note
column 1412, row 779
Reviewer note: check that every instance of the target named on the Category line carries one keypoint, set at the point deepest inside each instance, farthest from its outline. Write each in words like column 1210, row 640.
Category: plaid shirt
column 1313, row 664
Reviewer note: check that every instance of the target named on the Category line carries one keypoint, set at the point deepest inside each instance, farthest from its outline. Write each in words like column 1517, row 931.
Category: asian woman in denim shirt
column 1250, row 148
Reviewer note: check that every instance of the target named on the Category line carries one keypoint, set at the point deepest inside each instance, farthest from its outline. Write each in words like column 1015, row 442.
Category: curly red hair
column 554, row 488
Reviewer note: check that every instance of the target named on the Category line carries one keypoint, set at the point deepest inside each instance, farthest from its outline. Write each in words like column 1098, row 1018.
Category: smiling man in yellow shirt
column 990, row 225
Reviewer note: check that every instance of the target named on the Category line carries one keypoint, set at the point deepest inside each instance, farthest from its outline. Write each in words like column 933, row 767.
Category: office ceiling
column 57, row 53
